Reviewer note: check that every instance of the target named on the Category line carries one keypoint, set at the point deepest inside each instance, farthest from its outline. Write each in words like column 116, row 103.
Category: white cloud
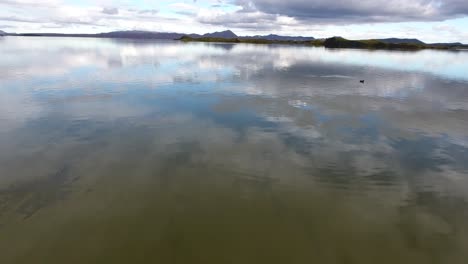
column 295, row 17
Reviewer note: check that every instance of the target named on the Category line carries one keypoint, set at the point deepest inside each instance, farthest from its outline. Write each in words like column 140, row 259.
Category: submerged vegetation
column 334, row 42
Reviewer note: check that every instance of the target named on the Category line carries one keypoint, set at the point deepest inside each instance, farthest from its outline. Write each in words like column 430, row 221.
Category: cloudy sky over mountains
column 429, row 20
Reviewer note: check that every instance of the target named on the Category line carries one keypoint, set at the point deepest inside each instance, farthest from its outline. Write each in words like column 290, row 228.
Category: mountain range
column 280, row 38
column 137, row 34
column 227, row 34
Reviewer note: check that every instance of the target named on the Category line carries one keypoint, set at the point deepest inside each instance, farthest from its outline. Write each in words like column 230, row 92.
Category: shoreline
column 332, row 43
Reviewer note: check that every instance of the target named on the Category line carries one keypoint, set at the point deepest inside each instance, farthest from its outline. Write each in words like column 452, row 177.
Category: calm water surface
column 119, row 151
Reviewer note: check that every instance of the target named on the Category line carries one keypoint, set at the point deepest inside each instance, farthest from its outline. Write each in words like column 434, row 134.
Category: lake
column 123, row 151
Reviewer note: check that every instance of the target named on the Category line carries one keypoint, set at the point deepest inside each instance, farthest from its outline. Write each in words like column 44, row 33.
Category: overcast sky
column 428, row 20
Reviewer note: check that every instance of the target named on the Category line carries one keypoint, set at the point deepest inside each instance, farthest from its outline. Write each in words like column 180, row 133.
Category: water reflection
column 179, row 152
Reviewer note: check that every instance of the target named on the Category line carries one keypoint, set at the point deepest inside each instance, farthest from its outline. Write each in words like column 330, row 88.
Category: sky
column 427, row 20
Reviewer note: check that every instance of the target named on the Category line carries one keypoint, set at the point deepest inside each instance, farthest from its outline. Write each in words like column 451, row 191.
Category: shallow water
column 120, row 151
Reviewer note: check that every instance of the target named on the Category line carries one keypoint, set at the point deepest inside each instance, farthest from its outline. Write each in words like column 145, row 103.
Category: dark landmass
column 399, row 44
column 228, row 34
column 52, row 35
column 251, row 41
column 338, row 42
column 453, row 44
column 401, row 41
column 132, row 34
column 230, row 37
column 334, row 42
column 140, row 35
column 419, row 42
column 280, row 38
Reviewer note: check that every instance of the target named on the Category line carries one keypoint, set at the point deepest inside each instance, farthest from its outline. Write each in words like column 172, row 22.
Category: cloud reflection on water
column 306, row 101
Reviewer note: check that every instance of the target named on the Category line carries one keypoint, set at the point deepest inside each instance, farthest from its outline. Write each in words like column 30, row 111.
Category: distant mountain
column 228, row 34
column 140, row 35
column 3, row 33
column 452, row 44
column 339, row 42
column 401, row 41
column 137, row 34
column 274, row 37
column 131, row 34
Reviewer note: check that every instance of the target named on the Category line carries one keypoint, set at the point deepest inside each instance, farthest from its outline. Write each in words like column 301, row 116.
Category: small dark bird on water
column 361, row 81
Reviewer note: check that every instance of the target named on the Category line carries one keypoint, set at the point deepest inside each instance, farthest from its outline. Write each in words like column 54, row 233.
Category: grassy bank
column 334, row 42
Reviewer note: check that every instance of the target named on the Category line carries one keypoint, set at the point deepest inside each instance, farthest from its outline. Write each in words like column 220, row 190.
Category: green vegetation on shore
column 338, row 42
column 251, row 41
column 334, row 42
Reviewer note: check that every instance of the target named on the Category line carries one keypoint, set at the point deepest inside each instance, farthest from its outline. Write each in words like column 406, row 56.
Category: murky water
column 164, row 152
